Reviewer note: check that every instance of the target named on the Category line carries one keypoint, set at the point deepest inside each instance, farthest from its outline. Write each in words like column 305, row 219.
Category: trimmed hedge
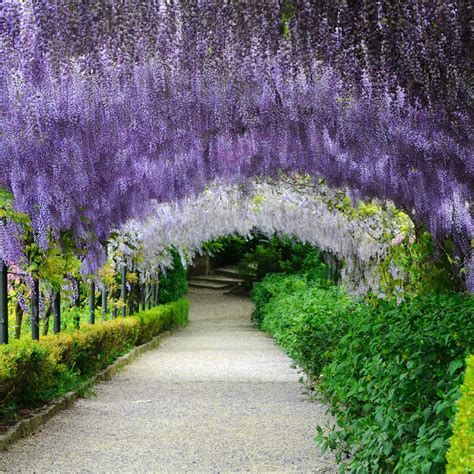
column 390, row 373
column 461, row 452
column 32, row 372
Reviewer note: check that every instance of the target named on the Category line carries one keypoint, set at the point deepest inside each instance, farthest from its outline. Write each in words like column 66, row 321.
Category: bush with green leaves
column 461, row 450
column 173, row 284
column 281, row 254
column 33, row 372
column 394, row 380
column 390, row 373
column 303, row 316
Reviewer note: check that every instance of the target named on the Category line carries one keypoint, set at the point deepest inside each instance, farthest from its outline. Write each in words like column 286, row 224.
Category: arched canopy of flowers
column 106, row 107
column 311, row 215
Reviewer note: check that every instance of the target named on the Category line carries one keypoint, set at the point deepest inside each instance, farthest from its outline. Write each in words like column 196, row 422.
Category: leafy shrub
column 461, row 451
column 35, row 371
column 394, row 381
column 306, row 320
column 174, row 284
column 281, row 254
column 161, row 318
column 391, row 373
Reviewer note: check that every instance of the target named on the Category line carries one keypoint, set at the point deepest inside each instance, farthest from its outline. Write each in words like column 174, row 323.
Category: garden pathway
column 218, row 396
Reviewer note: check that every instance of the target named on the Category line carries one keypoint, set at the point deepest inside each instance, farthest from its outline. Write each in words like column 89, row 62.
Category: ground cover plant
column 390, row 371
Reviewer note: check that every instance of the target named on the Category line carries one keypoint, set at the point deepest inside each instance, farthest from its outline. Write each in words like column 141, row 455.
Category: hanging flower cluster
column 106, row 106
column 271, row 209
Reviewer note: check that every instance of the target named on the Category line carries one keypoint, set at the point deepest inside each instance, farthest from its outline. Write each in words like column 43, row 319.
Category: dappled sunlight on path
column 218, row 396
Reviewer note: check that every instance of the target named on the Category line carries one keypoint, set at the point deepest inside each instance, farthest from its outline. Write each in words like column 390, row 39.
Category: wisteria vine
column 361, row 244
column 107, row 106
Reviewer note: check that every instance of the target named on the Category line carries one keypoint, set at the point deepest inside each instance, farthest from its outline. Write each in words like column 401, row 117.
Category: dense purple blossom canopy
column 106, row 105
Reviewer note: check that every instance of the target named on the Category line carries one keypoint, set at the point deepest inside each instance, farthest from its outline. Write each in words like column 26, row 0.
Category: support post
column 143, row 296
column 104, row 302
column 57, row 312
column 149, row 295
column 35, row 320
column 92, row 303
column 124, row 290
column 155, row 294
column 3, row 303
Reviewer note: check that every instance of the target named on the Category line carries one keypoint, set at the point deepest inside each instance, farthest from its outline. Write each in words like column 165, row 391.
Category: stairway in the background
column 224, row 278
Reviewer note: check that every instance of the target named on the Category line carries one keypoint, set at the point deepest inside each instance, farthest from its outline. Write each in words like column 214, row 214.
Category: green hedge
column 390, row 373
column 461, row 452
column 174, row 283
column 32, row 372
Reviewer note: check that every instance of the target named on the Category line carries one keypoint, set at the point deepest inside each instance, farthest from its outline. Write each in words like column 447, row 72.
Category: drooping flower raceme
column 270, row 209
column 106, row 106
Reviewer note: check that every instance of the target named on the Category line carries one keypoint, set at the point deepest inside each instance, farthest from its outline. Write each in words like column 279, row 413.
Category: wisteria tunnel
column 319, row 151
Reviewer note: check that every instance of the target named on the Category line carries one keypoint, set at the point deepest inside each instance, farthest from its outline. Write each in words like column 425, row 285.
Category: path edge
column 28, row 426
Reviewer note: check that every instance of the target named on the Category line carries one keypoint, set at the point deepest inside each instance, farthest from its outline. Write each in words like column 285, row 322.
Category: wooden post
column 104, row 302
column 57, row 312
column 92, row 303
column 3, row 303
column 35, row 320
column 124, row 290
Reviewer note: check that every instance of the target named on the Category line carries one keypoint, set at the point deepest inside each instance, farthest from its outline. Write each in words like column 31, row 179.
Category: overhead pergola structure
column 107, row 106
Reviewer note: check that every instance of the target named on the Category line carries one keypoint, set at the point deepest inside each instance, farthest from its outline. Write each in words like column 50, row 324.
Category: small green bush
column 161, row 318
column 173, row 284
column 33, row 372
column 390, row 373
column 461, row 451
column 306, row 320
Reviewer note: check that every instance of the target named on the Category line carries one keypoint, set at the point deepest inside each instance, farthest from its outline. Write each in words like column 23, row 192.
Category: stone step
column 209, row 285
column 218, row 279
column 227, row 271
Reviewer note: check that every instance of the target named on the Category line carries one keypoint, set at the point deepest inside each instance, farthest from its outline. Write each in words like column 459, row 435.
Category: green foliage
column 424, row 267
column 229, row 250
column 302, row 316
column 33, row 372
column 161, row 318
column 174, row 284
column 394, row 380
column 461, row 451
column 282, row 254
column 391, row 373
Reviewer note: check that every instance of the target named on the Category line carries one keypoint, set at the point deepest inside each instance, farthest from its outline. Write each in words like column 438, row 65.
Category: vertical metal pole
column 104, row 302
column 3, row 303
column 35, row 321
column 155, row 294
column 92, row 303
column 57, row 312
column 143, row 296
column 148, row 295
column 124, row 290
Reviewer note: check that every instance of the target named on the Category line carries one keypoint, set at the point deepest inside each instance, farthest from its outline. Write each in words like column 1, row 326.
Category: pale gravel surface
column 218, row 396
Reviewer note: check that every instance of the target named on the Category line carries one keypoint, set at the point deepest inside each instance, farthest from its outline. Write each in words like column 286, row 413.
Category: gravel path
column 218, row 396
